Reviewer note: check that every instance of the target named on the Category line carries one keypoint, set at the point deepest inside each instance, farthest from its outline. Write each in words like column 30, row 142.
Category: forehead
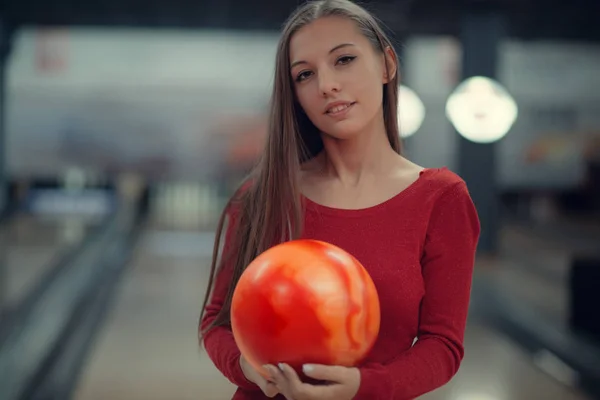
column 319, row 37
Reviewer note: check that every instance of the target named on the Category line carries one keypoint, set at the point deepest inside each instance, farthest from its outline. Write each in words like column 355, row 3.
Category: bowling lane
column 535, row 270
column 528, row 285
column 31, row 246
column 148, row 348
column 494, row 369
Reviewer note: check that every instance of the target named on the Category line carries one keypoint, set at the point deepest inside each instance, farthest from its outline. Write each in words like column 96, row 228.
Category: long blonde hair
column 269, row 211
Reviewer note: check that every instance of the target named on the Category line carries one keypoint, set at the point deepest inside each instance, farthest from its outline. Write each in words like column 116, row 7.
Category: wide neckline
column 357, row 212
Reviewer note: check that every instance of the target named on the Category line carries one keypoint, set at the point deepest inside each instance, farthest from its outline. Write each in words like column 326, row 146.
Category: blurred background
column 125, row 126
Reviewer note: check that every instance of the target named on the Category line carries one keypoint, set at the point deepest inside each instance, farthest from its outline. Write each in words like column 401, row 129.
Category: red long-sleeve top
column 419, row 248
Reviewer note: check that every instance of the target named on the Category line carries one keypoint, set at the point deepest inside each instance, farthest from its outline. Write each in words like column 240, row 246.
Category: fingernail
column 307, row 368
column 280, row 365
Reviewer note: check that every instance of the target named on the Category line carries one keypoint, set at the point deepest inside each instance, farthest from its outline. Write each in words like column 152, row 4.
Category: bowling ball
column 305, row 301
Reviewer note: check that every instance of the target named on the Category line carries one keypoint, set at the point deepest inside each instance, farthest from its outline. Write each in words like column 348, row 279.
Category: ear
column 391, row 63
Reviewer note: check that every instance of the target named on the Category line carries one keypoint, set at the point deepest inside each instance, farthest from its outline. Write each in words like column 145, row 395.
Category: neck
column 366, row 154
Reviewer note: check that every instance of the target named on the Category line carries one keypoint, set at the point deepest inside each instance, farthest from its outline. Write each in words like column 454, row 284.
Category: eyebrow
column 339, row 46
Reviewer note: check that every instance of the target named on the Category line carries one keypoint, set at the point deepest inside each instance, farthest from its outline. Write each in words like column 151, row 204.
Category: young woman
column 332, row 170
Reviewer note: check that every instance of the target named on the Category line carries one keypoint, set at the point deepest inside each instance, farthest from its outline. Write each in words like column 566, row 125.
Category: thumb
column 324, row 372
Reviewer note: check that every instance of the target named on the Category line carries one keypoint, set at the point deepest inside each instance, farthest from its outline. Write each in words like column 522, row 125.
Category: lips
column 338, row 107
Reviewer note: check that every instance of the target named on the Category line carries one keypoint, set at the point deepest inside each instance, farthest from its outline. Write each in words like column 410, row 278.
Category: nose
column 328, row 83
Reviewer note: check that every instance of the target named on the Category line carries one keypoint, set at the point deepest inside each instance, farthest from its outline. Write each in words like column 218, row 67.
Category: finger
column 325, row 372
column 275, row 374
column 270, row 389
column 280, row 381
column 271, row 372
column 267, row 385
column 290, row 374
column 297, row 388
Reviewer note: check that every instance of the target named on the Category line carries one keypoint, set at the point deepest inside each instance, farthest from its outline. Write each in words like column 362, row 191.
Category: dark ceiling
column 575, row 20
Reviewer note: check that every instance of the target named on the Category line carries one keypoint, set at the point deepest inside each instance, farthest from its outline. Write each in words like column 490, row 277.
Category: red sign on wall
column 51, row 51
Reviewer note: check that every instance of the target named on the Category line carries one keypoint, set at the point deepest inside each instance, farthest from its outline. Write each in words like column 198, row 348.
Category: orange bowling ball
column 305, row 301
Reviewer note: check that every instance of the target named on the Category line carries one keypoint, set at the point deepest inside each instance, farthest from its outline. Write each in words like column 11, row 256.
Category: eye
column 343, row 60
column 303, row 75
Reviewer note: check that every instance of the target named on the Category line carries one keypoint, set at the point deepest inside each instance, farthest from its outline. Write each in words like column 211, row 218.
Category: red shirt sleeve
column 447, row 265
column 219, row 342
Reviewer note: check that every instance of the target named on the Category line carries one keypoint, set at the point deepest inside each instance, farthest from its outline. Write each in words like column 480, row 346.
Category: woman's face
column 338, row 76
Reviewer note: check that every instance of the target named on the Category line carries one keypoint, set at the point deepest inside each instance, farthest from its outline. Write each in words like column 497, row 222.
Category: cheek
column 308, row 97
column 369, row 90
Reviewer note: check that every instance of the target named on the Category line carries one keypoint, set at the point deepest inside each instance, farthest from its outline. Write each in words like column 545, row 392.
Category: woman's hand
column 342, row 382
column 267, row 387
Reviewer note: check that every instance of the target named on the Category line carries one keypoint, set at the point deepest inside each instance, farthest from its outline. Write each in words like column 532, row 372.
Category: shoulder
column 441, row 185
column 443, row 179
column 447, row 193
column 450, row 202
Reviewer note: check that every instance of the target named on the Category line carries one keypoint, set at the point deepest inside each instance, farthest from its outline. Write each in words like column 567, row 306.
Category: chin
column 344, row 130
